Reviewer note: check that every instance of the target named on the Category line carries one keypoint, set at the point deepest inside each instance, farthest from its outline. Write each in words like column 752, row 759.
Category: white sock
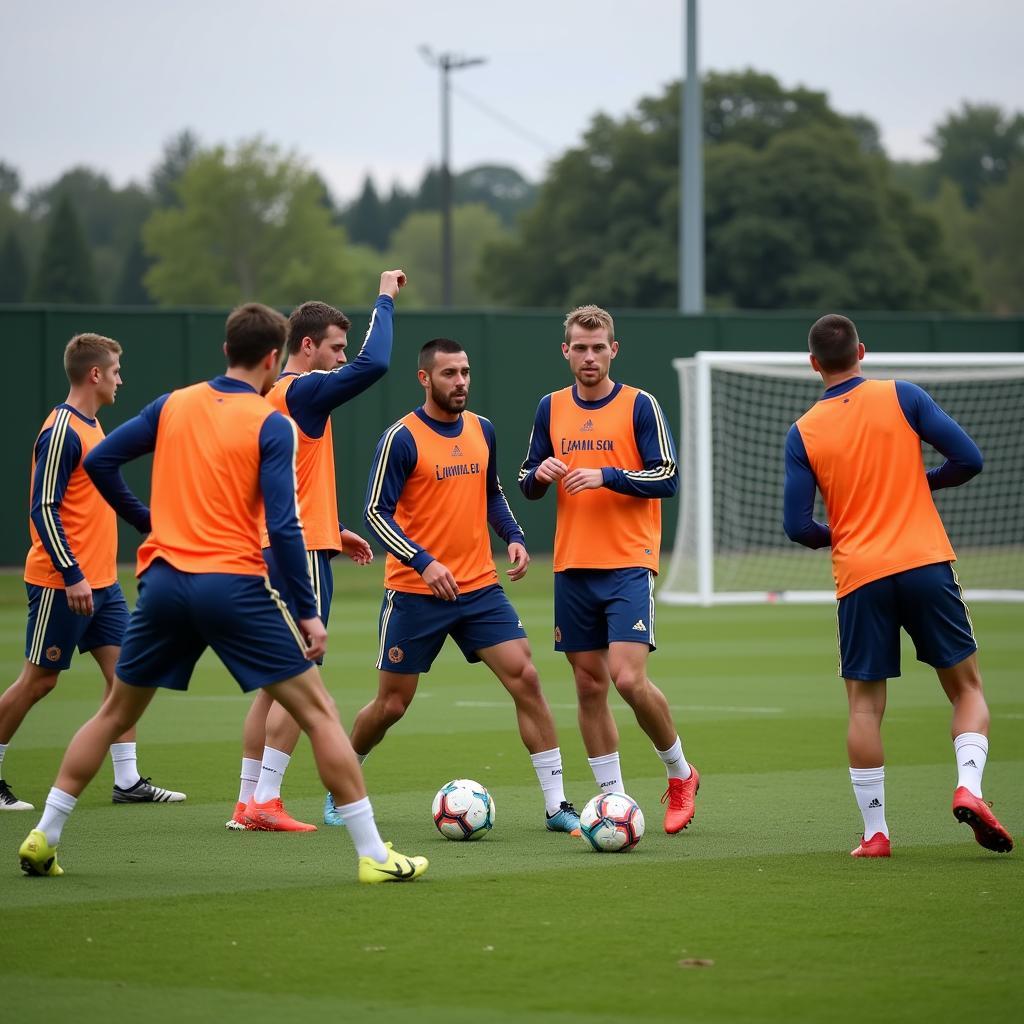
column 248, row 779
column 548, row 766
column 275, row 763
column 58, row 806
column 607, row 773
column 3, row 750
column 363, row 829
column 126, row 767
column 971, row 754
column 869, row 790
column 675, row 763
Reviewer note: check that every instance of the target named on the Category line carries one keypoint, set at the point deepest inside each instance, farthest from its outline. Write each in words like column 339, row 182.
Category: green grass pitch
column 164, row 915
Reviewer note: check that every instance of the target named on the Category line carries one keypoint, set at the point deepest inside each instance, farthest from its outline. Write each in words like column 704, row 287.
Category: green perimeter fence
column 515, row 358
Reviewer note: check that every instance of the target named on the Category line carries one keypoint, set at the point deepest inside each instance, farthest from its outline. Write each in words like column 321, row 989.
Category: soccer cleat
column 38, row 857
column 876, row 846
column 236, row 823
column 974, row 811
column 272, row 817
column 397, row 868
column 332, row 816
column 680, row 796
column 565, row 819
column 144, row 792
column 9, row 802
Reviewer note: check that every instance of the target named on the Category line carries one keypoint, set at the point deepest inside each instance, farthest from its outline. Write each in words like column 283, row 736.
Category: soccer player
column 223, row 459
column 860, row 445
column 316, row 379
column 71, row 569
column 608, row 450
column 433, row 489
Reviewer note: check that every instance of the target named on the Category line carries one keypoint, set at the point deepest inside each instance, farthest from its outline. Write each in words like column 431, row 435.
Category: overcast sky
column 105, row 83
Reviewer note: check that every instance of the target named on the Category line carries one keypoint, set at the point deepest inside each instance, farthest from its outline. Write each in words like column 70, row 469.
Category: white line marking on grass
column 729, row 708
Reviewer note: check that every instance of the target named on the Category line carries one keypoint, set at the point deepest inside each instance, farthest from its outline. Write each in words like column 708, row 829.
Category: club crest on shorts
column 395, row 655
column 558, row 635
column 53, row 653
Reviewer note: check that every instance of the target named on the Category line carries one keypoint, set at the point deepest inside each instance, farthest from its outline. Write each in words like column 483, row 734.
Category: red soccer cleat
column 272, row 817
column 680, row 796
column 876, row 846
column 236, row 823
column 975, row 812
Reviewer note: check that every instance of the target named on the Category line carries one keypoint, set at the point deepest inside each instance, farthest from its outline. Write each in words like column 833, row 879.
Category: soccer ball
column 612, row 823
column 463, row 809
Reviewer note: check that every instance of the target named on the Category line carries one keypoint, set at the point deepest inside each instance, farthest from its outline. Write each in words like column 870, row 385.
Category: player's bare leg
column 512, row 663
column 33, row 683
column 867, row 762
column 597, row 726
column 306, row 699
column 627, row 665
column 395, row 691
column 962, row 685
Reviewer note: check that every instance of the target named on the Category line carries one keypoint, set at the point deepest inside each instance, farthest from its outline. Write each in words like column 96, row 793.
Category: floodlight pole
column 691, row 175
column 446, row 63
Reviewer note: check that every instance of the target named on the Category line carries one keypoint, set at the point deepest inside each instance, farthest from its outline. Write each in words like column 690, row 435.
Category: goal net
column 736, row 408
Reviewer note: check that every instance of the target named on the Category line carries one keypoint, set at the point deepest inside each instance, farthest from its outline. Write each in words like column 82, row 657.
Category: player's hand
column 356, row 548
column 315, row 634
column 441, row 582
column 550, row 470
column 583, row 480
column 520, row 559
column 79, row 597
column 391, row 281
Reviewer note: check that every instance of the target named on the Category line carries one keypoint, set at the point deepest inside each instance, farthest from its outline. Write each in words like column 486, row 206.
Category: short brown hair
column 429, row 351
column 590, row 318
column 311, row 320
column 253, row 330
column 84, row 351
column 833, row 342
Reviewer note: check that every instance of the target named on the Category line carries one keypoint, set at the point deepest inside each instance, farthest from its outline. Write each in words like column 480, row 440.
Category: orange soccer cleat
column 236, row 823
column 680, row 796
column 272, row 817
column 974, row 811
column 876, row 846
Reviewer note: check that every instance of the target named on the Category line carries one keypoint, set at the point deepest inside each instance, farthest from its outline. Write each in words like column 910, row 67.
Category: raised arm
column 933, row 424
column 798, row 497
column 132, row 439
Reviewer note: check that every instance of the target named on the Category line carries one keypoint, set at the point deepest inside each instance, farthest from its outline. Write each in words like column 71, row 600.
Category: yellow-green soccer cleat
column 397, row 868
column 38, row 857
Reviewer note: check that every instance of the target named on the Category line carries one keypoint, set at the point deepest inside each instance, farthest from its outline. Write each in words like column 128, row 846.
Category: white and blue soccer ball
column 463, row 809
column 612, row 823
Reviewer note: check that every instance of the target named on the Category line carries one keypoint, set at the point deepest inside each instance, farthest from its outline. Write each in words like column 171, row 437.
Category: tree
column 13, row 270
column 179, row 151
column 65, row 272
column 998, row 229
column 131, row 289
column 798, row 212
column 977, row 146
column 500, row 188
column 417, row 243
column 365, row 219
column 251, row 225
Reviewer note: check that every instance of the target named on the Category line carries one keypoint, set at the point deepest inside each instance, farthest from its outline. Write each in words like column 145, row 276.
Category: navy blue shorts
column 596, row 607
column 413, row 627
column 927, row 602
column 319, row 565
column 180, row 614
column 54, row 630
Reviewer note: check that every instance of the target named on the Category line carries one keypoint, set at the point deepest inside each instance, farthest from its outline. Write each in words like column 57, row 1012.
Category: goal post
column 735, row 411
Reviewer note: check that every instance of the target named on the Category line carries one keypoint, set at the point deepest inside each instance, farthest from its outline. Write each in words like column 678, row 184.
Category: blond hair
column 84, row 351
column 590, row 318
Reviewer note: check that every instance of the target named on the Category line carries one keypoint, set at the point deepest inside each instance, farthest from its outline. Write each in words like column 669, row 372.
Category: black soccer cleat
column 9, row 802
column 144, row 792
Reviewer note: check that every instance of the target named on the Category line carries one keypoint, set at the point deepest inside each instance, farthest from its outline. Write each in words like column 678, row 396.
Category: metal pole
column 691, row 168
column 446, row 184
